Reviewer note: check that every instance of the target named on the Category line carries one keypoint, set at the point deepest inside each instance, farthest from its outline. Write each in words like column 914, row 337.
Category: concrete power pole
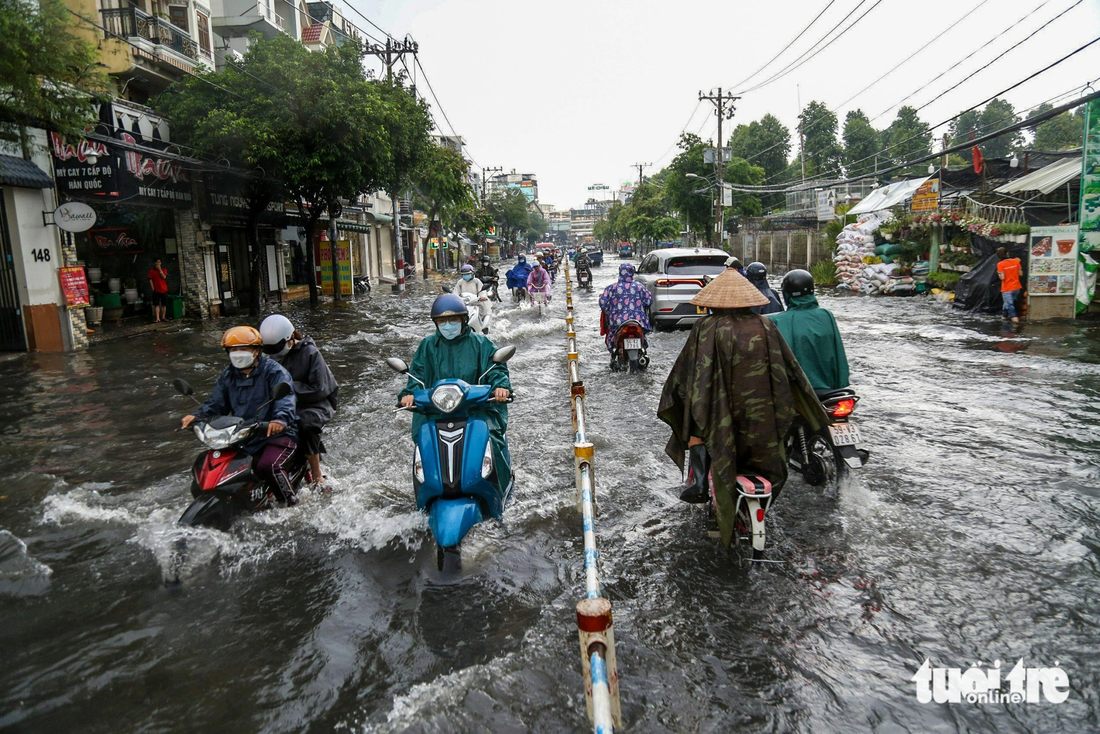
column 640, row 166
column 724, row 112
column 390, row 53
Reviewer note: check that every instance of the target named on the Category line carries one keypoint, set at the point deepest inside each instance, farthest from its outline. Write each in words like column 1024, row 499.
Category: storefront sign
column 114, row 241
column 226, row 203
column 927, row 197
column 323, row 249
column 148, row 178
column 74, row 217
column 1090, row 180
column 433, row 243
column 74, row 284
column 84, row 169
column 1052, row 261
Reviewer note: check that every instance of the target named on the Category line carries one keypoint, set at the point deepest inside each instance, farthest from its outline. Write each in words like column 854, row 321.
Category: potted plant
column 130, row 293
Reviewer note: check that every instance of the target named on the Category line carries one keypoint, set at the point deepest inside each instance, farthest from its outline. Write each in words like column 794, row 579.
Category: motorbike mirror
column 281, row 390
column 504, row 354
column 397, row 365
column 448, row 289
column 182, row 387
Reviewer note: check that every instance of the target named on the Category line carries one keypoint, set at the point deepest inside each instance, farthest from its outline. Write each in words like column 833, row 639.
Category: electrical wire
column 782, row 50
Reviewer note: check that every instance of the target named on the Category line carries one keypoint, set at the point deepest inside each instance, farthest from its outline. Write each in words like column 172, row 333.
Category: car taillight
column 843, row 408
column 665, row 282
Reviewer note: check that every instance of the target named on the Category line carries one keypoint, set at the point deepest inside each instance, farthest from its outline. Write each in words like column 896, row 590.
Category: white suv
column 674, row 276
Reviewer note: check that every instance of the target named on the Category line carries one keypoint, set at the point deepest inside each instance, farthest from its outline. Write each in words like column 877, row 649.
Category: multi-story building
column 526, row 183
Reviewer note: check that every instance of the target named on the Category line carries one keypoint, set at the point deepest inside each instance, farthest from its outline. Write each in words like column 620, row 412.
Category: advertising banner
column 74, row 284
column 826, row 205
column 927, row 197
column 1090, row 180
column 1052, row 261
column 343, row 260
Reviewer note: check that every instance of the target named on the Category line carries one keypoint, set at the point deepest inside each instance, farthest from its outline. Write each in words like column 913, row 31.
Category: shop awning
column 380, row 218
column 22, row 173
column 1046, row 179
column 887, row 196
column 349, row 226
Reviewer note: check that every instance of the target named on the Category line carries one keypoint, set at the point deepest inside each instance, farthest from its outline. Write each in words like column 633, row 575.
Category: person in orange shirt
column 1008, row 270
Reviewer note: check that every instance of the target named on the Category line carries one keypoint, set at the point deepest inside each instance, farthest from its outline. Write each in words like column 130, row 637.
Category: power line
column 773, row 58
column 360, row 14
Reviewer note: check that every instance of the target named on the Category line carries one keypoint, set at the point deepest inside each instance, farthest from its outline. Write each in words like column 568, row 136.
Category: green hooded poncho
column 811, row 333
column 465, row 357
column 737, row 386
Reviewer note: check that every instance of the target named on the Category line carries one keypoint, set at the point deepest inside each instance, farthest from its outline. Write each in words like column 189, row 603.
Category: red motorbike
column 224, row 483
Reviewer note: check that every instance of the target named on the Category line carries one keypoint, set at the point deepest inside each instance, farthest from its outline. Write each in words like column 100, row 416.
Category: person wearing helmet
column 489, row 276
column 758, row 276
column 454, row 351
column 539, row 280
column 243, row 390
column 622, row 301
column 811, row 333
column 467, row 283
column 516, row 278
column 314, row 385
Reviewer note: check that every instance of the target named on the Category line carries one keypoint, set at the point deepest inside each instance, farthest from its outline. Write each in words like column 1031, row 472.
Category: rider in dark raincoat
column 812, row 334
column 758, row 276
column 732, row 396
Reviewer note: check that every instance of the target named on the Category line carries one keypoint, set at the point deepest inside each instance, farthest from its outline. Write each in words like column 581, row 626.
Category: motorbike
column 629, row 348
column 361, row 284
column 826, row 456
column 455, row 479
column 517, row 285
column 584, row 277
column 480, row 310
column 753, row 498
column 492, row 284
column 223, row 483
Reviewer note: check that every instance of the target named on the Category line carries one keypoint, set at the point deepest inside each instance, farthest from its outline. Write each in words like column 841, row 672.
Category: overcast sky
column 576, row 91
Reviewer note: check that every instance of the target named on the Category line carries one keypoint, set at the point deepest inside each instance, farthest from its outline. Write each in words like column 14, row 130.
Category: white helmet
column 275, row 331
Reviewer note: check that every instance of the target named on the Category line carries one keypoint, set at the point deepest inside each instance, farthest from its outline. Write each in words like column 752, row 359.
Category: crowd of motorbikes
column 455, row 481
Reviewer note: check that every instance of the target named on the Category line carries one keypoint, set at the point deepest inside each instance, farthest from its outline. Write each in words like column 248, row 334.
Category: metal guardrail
column 594, row 623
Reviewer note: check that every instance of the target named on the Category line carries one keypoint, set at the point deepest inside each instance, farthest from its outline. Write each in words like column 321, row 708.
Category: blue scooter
column 454, row 476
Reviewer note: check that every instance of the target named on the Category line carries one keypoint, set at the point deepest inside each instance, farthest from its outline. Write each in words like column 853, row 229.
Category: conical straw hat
column 730, row 290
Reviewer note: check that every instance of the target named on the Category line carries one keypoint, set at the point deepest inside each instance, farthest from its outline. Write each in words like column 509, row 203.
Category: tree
column 1060, row 132
column 820, row 148
column 861, row 144
column 509, row 210
column 960, row 131
column 537, row 227
column 696, row 209
column 48, row 71
column 766, row 142
column 441, row 181
column 907, row 138
column 997, row 114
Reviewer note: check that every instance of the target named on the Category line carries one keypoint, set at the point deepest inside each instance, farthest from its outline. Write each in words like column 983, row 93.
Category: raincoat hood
column 803, row 303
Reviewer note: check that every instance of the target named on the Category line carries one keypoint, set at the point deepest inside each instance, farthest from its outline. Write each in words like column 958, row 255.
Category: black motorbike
column 584, row 277
column 629, row 348
column 361, row 284
column 826, row 456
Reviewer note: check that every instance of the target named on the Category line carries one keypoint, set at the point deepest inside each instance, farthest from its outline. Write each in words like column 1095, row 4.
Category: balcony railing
column 133, row 23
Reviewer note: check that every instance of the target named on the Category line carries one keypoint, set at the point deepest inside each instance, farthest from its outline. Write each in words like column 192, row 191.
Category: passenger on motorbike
column 467, row 283
column 517, row 276
column 314, row 385
column 489, row 276
column 454, row 351
column 732, row 396
column 811, row 333
column 550, row 265
column 758, row 276
column 242, row 390
column 539, row 281
column 622, row 301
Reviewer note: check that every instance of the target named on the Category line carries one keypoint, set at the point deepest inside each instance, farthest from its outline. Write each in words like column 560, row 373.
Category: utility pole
column 724, row 112
column 391, row 52
column 802, row 138
column 485, row 181
column 640, row 166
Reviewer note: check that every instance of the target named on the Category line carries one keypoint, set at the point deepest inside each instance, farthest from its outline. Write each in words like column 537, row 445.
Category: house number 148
column 41, row 255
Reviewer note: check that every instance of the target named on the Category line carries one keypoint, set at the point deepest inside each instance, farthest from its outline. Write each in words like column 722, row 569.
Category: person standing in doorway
column 158, row 281
column 1008, row 270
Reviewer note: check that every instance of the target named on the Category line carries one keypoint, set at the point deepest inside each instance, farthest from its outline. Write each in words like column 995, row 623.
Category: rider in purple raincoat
column 625, row 301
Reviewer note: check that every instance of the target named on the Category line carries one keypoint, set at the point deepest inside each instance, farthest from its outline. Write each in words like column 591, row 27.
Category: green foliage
column 1062, row 132
column 820, row 148
column 997, row 114
column 48, row 72
column 824, row 272
column 834, row 227
column 441, row 181
column 508, row 208
column 945, row 279
column 767, row 142
column 861, row 143
column 907, row 138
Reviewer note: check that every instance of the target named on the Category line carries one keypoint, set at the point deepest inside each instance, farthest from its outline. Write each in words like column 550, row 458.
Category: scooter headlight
column 447, row 397
column 487, row 461
column 418, row 466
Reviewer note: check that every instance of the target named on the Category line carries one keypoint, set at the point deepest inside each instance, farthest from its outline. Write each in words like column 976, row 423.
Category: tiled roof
column 313, row 33
column 18, row 172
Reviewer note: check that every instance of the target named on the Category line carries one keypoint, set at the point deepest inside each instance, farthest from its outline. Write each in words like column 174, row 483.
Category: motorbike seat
column 754, row 485
column 824, row 395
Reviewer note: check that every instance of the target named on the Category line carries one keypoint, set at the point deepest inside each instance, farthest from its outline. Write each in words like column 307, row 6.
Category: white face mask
column 241, row 359
column 450, row 329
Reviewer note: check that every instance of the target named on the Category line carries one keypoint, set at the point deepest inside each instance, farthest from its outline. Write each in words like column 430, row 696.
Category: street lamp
column 1015, row 162
column 931, row 168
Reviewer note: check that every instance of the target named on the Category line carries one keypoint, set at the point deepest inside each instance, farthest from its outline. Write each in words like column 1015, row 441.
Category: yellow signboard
column 343, row 260
column 927, row 197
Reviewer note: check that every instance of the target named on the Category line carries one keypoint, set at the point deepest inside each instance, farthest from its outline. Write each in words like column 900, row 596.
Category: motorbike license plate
column 632, row 343
column 845, row 434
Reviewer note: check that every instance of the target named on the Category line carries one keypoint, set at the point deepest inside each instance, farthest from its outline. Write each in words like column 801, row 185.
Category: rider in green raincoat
column 811, row 333
column 454, row 351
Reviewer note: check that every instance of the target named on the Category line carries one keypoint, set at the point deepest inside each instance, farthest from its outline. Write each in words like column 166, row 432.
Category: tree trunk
column 333, row 213
column 311, row 214
column 252, row 238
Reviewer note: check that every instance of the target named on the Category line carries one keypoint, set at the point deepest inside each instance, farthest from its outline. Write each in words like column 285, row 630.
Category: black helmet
column 797, row 283
column 485, row 259
column 756, row 272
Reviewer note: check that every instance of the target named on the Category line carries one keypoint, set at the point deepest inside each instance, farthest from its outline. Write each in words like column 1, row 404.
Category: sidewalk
column 130, row 327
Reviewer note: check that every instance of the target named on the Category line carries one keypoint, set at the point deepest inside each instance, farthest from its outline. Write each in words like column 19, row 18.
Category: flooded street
column 972, row 536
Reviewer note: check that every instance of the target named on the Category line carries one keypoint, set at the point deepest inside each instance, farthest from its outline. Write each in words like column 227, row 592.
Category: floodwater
column 971, row 537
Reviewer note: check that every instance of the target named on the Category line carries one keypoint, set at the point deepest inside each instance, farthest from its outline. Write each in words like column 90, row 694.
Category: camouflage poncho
column 737, row 386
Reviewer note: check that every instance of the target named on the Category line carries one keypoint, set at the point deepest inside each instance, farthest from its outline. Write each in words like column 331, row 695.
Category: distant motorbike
column 223, row 481
column 454, row 476
column 629, row 348
column 362, row 285
column 480, row 310
column 584, row 277
column 492, row 284
column 753, row 497
column 826, row 456
column 517, row 284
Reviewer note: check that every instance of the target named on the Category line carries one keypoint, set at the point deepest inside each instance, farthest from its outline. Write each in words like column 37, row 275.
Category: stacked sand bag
column 855, row 255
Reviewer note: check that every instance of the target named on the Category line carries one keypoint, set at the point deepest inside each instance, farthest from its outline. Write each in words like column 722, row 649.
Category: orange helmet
column 241, row 336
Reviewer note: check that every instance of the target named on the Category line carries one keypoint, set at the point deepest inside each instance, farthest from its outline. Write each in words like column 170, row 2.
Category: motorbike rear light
column 843, row 408
column 487, row 461
column 760, row 514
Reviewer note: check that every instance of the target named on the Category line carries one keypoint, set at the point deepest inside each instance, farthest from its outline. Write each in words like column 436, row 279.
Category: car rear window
column 696, row 265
